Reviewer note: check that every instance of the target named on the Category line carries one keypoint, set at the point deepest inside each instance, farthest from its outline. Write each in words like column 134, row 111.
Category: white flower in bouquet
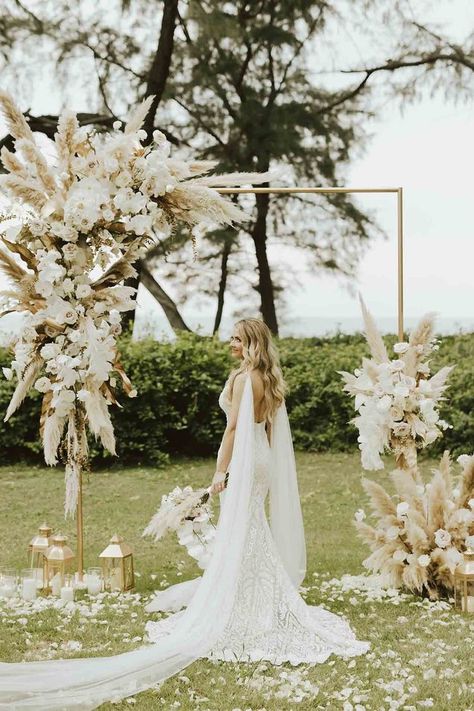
column 401, row 347
column 442, row 538
column 43, row 384
column 453, row 558
column 8, row 373
column 393, row 532
column 402, row 509
column 399, row 555
column 470, row 503
column 424, row 560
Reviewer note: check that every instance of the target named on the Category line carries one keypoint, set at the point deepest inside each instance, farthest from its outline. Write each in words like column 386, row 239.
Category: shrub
column 178, row 385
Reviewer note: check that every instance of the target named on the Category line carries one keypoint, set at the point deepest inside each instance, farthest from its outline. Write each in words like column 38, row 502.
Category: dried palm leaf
column 52, row 434
column 372, row 335
column 21, row 390
column 17, row 248
column 45, row 410
column 10, row 267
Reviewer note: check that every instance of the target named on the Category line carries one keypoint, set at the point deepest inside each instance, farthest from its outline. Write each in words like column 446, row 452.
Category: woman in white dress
column 246, row 605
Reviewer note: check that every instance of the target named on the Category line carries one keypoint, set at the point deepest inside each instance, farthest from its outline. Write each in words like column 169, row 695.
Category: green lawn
column 421, row 654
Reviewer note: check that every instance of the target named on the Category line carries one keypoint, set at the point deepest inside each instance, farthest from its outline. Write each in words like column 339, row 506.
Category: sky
column 428, row 150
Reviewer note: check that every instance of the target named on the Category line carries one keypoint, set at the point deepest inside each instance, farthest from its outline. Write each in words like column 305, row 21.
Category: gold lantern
column 463, row 582
column 37, row 548
column 117, row 564
column 57, row 563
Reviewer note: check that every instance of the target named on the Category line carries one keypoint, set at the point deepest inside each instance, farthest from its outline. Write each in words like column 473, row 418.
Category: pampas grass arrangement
column 421, row 531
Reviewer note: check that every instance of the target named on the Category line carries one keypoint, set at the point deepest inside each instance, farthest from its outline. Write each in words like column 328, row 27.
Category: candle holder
column 117, row 564
column 94, row 581
column 29, row 584
column 57, row 563
column 463, row 583
column 8, row 582
column 67, row 589
column 37, row 548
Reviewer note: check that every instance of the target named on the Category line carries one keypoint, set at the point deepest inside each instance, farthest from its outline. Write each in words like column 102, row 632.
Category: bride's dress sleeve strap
column 286, row 518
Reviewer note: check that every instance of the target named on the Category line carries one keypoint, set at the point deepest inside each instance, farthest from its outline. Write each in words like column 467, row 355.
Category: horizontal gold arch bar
column 230, row 191
column 397, row 191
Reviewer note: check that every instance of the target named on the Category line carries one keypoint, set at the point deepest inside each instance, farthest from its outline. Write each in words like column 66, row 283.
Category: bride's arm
column 227, row 445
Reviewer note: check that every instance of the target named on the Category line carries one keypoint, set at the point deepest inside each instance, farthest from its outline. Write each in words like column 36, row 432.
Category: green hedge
column 178, row 384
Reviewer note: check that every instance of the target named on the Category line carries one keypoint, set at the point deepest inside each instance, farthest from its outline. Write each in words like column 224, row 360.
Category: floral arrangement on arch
column 422, row 530
column 396, row 398
column 76, row 224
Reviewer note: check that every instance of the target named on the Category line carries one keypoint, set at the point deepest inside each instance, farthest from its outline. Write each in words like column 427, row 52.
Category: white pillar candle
column 7, row 589
column 39, row 577
column 28, row 588
column 94, row 585
column 56, row 584
column 67, row 594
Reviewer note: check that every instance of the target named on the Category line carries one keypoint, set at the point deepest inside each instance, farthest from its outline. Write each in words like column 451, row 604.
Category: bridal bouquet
column 397, row 399
column 189, row 514
column 80, row 217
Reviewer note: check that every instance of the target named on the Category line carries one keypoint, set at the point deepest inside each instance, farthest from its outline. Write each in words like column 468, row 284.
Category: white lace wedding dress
column 245, row 606
column 269, row 619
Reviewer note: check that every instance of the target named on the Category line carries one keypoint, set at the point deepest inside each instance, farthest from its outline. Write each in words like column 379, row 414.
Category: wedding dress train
column 245, row 606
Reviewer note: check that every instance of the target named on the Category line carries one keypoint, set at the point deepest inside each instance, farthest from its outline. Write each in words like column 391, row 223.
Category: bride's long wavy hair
column 259, row 352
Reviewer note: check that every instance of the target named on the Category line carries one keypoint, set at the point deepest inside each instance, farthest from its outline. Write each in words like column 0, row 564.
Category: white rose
column 392, row 532
column 442, row 538
column 402, row 509
column 114, row 317
column 50, row 351
column 8, row 373
column 469, row 541
column 424, row 561
column 83, row 291
column 133, row 393
column 401, row 347
column 397, row 365
column 99, row 307
column 69, row 316
column 399, row 555
column 83, row 395
column 68, row 285
column 464, row 460
column 43, row 384
column 359, row 515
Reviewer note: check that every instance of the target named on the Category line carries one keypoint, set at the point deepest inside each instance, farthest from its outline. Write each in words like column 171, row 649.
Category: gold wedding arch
column 399, row 208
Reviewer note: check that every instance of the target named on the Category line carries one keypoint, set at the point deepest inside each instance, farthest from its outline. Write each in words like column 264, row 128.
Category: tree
column 243, row 90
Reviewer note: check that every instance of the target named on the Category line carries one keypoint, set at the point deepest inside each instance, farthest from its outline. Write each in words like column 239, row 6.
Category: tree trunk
column 222, row 284
column 166, row 302
column 156, row 82
column 160, row 67
column 265, row 284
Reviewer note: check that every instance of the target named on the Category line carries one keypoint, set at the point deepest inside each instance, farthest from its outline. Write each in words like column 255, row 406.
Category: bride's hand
column 218, row 483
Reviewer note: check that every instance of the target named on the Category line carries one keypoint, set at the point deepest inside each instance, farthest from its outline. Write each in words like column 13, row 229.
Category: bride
column 246, row 605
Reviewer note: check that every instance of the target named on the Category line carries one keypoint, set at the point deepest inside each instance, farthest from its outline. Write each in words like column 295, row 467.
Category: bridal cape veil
column 86, row 683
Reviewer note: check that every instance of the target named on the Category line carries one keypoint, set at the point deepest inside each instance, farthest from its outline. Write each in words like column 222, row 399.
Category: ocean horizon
column 150, row 325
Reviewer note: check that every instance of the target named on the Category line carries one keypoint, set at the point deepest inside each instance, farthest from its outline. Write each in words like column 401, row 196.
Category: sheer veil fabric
column 86, row 683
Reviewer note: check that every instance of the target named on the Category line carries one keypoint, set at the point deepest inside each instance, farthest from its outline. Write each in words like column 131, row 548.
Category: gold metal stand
column 397, row 191
column 80, row 532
